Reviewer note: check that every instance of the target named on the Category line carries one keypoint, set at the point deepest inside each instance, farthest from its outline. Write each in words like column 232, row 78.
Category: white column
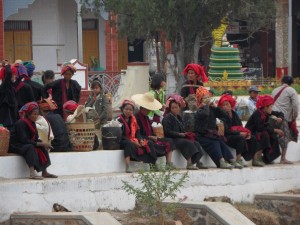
column 79, row 32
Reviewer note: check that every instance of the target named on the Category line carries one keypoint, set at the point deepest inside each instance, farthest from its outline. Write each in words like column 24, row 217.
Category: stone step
column 88, row 193
column 103, row 161
column 70, row 218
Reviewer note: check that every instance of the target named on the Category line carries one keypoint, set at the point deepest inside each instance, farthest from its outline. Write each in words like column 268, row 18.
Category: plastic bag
column 242, row 109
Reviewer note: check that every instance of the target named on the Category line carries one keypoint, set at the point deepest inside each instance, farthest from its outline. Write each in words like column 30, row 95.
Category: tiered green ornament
column 224, row 60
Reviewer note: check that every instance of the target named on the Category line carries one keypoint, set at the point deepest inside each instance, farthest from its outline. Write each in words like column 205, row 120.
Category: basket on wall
column 81, row 136
column 158, row 131
column 4, row 140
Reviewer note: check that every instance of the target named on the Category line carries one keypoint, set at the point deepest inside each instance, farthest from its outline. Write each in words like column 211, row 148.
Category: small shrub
column 155, row 188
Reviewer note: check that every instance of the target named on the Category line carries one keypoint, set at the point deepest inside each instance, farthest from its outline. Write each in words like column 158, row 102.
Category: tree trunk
column 196, row 48
column 157, row 52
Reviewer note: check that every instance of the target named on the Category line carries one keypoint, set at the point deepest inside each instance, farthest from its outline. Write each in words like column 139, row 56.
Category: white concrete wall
column 54, row 24
column 87, row 193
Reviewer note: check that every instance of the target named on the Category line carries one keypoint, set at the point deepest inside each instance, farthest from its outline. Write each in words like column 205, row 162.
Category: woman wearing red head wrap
column 8, row 100
column 135, row 147
column 237, row 136
column 64, row 89
column 262, row 126
column 25, row 141
column 195, row 78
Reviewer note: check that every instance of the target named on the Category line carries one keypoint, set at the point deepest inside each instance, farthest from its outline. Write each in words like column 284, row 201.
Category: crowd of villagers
column 35, row 115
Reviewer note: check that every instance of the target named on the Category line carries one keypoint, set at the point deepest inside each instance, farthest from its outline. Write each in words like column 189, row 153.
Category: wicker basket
column 81, row 136
column 4, row 140
column 158, row 131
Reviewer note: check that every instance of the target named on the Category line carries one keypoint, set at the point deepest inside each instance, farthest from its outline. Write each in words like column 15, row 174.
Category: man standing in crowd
column 253, row 93
column 286, row 101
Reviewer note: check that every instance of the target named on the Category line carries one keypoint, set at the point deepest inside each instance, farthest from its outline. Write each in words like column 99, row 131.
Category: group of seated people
column 36, row 115
column 257, row 141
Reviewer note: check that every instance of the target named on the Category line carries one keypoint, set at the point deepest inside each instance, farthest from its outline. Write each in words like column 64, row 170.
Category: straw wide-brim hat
column 147, row 101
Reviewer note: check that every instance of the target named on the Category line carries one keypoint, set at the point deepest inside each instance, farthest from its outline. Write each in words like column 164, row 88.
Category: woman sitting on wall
column 64, row 89
column 135, row 147
column 184, row 141
column 206, row 130
column 61, row 141
column 163, row 146
column 25, row 142
column 237, row 136
column 262, row 124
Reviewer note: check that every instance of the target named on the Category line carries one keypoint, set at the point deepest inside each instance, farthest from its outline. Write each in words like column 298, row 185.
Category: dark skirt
column 130, row 150
column 270, row 146
column 189, row 149
column 160, row 148
column 247, row 148
column 31, row 157
column 215, row 148
column 253, row 146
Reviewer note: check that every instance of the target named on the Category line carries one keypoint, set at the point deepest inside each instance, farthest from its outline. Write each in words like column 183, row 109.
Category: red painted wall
column 111, row 43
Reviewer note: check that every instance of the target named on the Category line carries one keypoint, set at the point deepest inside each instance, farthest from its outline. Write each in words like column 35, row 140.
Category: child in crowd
column 98, row 101
column 157, row 90
column 135, row 147
column 25, row 141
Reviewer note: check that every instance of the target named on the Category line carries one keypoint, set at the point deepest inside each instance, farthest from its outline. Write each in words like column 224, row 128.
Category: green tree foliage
column 186, row 23
column 154, row 188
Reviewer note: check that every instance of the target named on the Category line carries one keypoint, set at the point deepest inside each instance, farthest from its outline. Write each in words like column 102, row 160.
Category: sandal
column 49, row 175
column 286, row 162
column 36, row 177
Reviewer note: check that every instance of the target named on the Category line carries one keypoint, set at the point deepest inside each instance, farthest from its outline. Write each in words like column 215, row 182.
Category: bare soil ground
column 257, row 216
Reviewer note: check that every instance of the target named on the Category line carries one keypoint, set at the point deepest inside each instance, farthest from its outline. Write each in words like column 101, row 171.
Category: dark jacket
column 256, row 125
column 8, row 104
column 229, row 122
column 73, row 93
column 173, row 126
column 37, row 89
column 23, row 94
column 205, row 119
column 185, row 90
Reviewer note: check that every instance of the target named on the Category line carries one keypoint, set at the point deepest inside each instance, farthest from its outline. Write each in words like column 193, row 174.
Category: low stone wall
column 70, row 218
column 287, row 207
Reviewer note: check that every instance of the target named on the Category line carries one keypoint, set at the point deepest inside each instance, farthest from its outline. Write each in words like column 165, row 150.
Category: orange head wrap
column 201, row 91
column 229, row 98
